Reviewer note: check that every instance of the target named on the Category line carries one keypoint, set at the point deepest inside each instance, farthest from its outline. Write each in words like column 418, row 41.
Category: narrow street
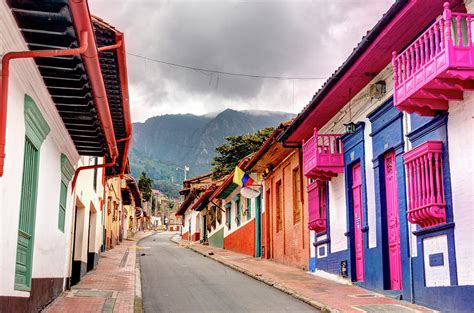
column 175, row 279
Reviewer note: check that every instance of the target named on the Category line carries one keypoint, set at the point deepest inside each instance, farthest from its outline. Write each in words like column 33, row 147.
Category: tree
column 145, row 184
column 235, row 149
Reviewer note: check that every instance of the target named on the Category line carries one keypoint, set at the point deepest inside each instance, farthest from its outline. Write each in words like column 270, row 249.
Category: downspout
column 90, row 167
column 84, row 46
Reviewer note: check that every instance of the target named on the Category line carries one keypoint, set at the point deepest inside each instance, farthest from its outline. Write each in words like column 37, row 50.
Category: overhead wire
column 221, row 72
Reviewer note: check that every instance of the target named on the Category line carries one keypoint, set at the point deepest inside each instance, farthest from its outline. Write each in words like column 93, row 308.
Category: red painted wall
column 185, row 236
column 242, row 240
column 195, row 236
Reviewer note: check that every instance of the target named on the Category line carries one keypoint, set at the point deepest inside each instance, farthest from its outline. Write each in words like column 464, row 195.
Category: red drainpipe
column 121, row 58
column 84, row 34
column 89, row 54
column 122, row 62
column 82, row 21
column 89, row 167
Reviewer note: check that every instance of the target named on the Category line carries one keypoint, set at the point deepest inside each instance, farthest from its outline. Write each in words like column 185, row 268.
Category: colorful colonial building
column 233, row 218
column 387, row 147
column 284, row 219
column 59, row 117
column 192, row 190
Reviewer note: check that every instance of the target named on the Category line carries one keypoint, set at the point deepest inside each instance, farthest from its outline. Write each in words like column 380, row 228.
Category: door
column 358, row 222
column 258, row 227
column 204, row 222
column 76, row 266
column 393, row 221
column 267, row 246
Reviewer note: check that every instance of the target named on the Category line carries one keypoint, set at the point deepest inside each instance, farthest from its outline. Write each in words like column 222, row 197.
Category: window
column 36, row 131
column 424, row 168
column 213, row 216
column 249, row 209
column 219, row 215
column 317, row 206
column 228, row 215
column 67, row 170
column 297, row 205
column 237, row 210
column 279, row 206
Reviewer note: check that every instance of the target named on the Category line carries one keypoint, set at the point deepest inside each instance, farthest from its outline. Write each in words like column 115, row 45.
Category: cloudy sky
column 296, row 39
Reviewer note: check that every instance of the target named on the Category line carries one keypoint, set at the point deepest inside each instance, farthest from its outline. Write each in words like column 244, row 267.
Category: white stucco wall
column 461, row 160
column 436, row 276
column 51, row 246
column 89, row 198
column 337, row 213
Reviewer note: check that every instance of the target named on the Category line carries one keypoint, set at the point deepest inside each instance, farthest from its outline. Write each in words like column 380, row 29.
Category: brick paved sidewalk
column 108, row 288
column 324, row 294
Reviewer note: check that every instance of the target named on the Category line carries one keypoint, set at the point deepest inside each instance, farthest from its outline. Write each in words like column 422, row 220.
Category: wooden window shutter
column 67, row 170
column 36, row 131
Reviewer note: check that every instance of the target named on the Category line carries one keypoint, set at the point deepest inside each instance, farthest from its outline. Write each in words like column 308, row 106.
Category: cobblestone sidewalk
column 111, row 287
column 323, row 294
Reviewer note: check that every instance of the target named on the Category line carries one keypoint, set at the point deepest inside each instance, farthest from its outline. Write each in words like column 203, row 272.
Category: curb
column 281, row 287
column 138, row 301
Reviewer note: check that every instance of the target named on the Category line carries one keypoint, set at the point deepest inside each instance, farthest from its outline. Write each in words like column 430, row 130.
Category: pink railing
column 452, row 30
column 426, row 204
column 317, row 206
column 323, row 152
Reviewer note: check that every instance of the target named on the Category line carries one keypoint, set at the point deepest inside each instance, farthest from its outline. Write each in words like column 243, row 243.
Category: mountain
column 163, row 143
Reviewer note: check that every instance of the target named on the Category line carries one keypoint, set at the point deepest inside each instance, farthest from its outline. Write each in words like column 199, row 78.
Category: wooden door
column 393, row 221
column 358, row 222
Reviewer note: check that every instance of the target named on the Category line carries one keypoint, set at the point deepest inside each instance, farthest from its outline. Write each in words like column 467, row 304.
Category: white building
column 48, row 119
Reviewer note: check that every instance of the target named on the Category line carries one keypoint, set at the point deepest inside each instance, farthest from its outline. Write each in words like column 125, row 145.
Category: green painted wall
column 217, row 239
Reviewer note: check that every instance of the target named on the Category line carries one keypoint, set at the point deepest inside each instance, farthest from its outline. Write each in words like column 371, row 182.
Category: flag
column 241, row 178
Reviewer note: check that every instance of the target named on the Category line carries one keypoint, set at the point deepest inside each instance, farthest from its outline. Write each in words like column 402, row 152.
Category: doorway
column 358, row 222
column 393, row 221
column 78, row 268
column 258, row 226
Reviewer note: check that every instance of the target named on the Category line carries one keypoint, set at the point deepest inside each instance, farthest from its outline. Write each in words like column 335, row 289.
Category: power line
column 194, row 68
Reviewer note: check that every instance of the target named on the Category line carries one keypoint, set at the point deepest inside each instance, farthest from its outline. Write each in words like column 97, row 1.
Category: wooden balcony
column 317, row 207
column 426, row 203
column 436, row 67
column 323, row 156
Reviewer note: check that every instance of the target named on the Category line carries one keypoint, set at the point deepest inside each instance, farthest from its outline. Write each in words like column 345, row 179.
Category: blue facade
column 448, row 298
column 387, row 136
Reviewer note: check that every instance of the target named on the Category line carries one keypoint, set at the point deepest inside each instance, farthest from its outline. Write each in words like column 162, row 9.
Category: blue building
column 388, row 152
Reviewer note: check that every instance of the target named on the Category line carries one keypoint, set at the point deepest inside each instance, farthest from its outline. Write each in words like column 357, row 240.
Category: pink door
column 358, row 221
column 393, row 221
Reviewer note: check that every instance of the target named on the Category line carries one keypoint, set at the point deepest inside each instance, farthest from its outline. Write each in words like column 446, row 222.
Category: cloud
column 277, row 38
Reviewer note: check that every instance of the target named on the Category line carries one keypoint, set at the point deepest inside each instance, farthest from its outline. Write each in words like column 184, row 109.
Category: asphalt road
column 176, row 279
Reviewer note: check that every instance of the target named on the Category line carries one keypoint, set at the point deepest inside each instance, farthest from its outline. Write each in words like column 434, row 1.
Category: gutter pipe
column 122, row 60
column 82, row 21
column 7, row 57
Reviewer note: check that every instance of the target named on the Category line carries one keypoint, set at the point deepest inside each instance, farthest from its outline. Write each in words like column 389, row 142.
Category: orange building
column 285, row 235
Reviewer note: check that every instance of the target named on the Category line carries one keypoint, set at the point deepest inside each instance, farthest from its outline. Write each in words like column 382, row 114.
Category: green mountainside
column 163, row 143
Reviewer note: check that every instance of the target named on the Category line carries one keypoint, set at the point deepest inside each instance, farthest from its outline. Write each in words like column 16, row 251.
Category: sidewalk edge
column 138, row 299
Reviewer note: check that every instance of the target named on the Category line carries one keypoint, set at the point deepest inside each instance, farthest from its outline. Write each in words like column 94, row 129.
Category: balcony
column 437, row 67
column 426, row 204
column 323, row 156
column 317, row 207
